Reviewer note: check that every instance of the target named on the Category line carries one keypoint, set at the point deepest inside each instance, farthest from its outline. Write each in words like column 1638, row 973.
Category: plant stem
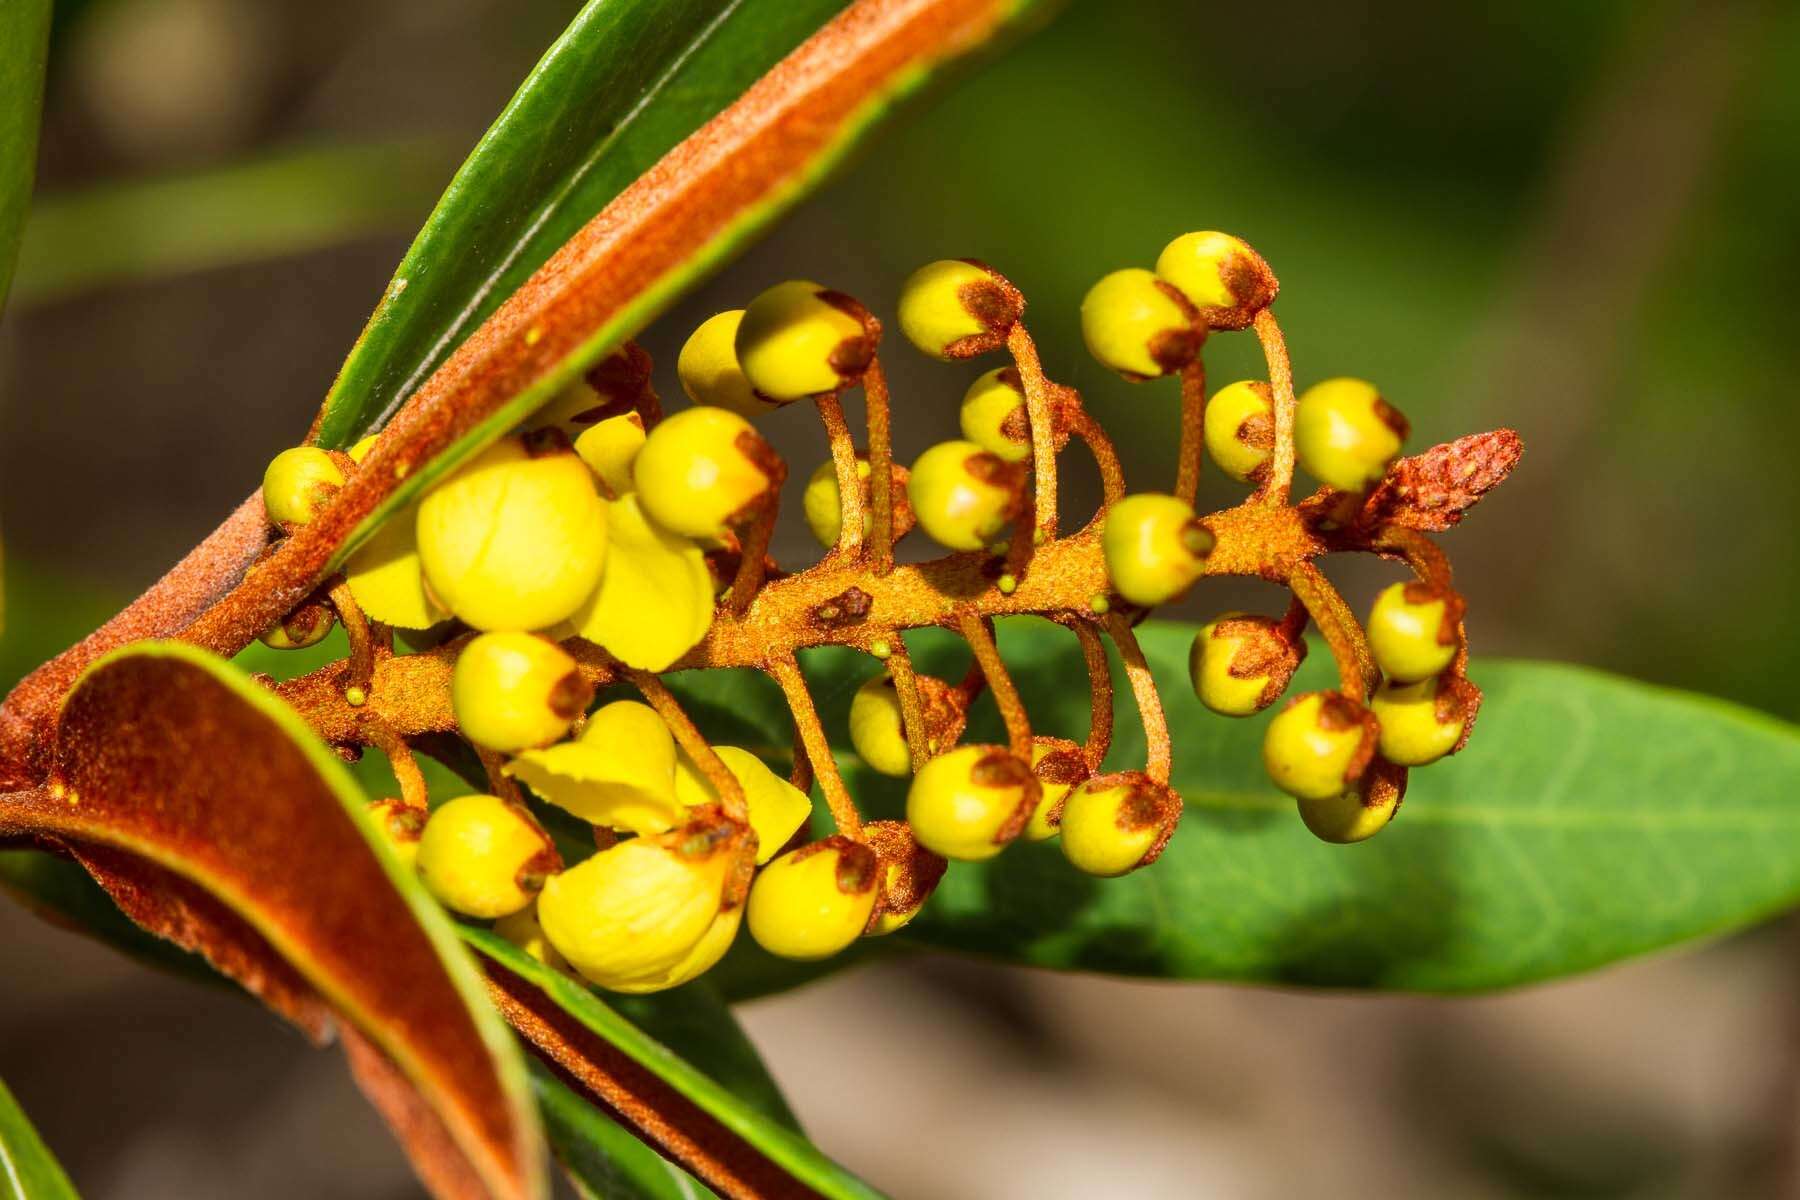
column 881, row 469
column 980, row 636
column 693, row 743
column 1193, row 416
column 400, row 757
column 359, row 668
column 1338, row 625
column 912, row 708
column 1158, row 753
column 1100, row 693
column 786, row 672
column 1039, row 411
column 1279, row 482
column 843, row 458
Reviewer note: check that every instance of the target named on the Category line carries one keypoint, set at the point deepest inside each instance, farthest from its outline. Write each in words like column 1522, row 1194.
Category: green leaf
column 27, row 1170
column 624, row 83
column 603, row 1159
column 768, row 1132
column 24, row 42
column 287, row 202
column 1590, row 819
column 695, row 1023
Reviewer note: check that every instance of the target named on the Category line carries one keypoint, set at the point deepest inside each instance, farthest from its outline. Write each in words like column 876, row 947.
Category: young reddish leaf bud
column 1360, row 812
column 399, row 825
column 1220, row 275
column 1154, row 546
column 609, row 448
column 909, row 874
column 704, row 470
column 776, row 807
column 1138, row 325
column 517, row 537
column 1346, row 435
column 798, row 339
column 1240, row 664
column 514, row 691
column 298, row 483
column 484, row 857
column 306, row 626
column 524, row 930
column 1059, row 766
column 620, row 773
column 958, row 308
column 1113, row 824
column 634, row 913
column 709, row 370
column 1412, row 630
column 812, row 902
column 963, row 496
column 1239, row 429
column 1319, row 745
column 1420, row 722
column 994, row 415
column 970, row 802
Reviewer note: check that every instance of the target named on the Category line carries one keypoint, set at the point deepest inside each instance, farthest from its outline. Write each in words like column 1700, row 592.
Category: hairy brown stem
column 1279, row 482
column 753, row 555
column 1339, row 627
column 359, row 668
column 400, row 757
column 881, row 469
column 786, row 672
column 499, row 782
column 1112, row 475
column 980, row 635
column 1158, row 752
column 843, row 458
column 725, row 785
column 1100, row 693
column 1039, row 411
column 1193, row 415
column 912, row 708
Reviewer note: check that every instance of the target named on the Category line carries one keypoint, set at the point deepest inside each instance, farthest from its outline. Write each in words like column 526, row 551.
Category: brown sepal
column 909, row 874
column 1433, row 491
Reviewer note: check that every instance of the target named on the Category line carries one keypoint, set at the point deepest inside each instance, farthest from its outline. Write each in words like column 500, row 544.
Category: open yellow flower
column 777, row 807
column 620, row 773
column 655, row 599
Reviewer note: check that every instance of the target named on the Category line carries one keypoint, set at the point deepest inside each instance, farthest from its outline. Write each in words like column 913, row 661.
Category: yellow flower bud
column 298, row 483
column 399, row 826
column 1138, row 325
column 609, row 448
column 1154, row 546
column 1346, row 435
column 655, row 600
column 777, row 808
column 970, row 802
column 640, row 907
column 1221, row 275
column 483, row 857
column 1420, row 722
column 515, row 691
column 909, row 874
column 620, row 773
column 1059, row 765
column 876, row 729
column 1113, row 824
column 822, row 503
column 704, row 470
column 958, row 308
column 1360, row 812
column 1239, row 429
column 964, row 496
column 797, row 339
column 709, row 371
column 1239, row 664
column 523, row 930
column 387, row 579
column 516, row 538
column 1412, row 630
column 1319, row 745
column 812, row 902
column 306, row 626
column 994, row 416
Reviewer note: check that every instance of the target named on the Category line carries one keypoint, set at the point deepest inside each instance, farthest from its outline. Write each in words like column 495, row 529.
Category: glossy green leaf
column 770, row 1133
column 1590, row 819
column 288, row 202
column 602, row 1158
column 27, row 1169
column 24, row 40
column 624, row 83
column 695, row 1022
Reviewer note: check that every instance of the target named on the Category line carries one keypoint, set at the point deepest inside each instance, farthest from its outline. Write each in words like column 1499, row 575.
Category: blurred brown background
column 1574, row 219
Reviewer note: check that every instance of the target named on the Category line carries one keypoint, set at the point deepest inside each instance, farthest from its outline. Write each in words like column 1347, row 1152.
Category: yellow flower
column 958, row 308
column 812, row 902
column 609, row 448
column 298, row 482
column 696, row 962
column 655, row 600
column 797, row 339
column 1113, row 824
column 909, row 874
column 620, row 773
column 524, row 930
column 483, row 856
column 968, row 803
column 777, row 808
column 709, row 370
column 386, row 579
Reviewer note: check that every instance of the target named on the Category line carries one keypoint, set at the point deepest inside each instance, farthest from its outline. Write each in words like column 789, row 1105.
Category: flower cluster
column 604, row 543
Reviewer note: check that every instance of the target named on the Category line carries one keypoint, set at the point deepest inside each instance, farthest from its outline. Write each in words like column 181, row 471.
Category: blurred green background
column 1574, row 219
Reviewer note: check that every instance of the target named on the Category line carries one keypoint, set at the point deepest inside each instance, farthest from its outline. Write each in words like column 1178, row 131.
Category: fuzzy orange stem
column 912, row 708
column 1279, row 482
column 1158, row 752
column 843, row 458
column 980, row 636
column 725, row 785
column 1100, row 693
column 1043, row 430
column 881, row 470
column 1193, row 416
column 1338, row 625
column 786, row 672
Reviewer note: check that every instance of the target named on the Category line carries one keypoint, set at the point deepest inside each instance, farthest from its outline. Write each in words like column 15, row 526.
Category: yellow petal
column 610, row 447
column 633, row 911
column 707, row 952
column 620, row 774
column 777, row 807
column 385, row 578
column 655, row 599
